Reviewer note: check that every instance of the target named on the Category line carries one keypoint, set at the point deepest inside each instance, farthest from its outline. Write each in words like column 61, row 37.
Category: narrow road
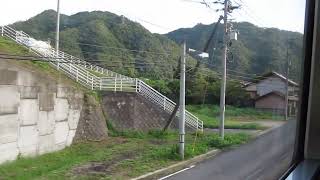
column 266, row 157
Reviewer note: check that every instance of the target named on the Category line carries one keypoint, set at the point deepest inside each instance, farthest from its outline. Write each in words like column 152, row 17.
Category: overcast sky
column 161, row 16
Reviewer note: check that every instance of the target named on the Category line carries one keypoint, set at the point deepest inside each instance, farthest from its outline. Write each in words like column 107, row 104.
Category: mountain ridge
column 257, row 50
column 105, row 36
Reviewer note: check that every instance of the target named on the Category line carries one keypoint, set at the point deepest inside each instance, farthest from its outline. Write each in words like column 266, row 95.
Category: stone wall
column 39, row 114
column 92, row 124
column 132, row 111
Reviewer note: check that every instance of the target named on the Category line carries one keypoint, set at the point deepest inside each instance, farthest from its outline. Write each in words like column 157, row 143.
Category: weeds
column 236, row 118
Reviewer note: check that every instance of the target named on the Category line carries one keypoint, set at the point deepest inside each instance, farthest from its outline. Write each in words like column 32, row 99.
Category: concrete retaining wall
column 132, row 111
column 37, row 114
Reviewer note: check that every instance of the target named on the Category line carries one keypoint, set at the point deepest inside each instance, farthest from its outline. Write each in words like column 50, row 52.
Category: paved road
column 264, row 158
column 248, row 131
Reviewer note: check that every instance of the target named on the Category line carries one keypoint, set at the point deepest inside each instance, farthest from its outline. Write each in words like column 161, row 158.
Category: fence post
column 70, row 63
column 57, row 59
column 164, row 103
column 115, row 84
column 77, row 75
column 136, row 85
column 100, row 84
column 91, row 82
column 121, row 84
column 87, row 77
column 2, row 30
column 197, row 124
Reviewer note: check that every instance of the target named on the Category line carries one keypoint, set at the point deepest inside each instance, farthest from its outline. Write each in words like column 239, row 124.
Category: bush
column 128, row 134
column 171, row 153
column 159, row 134
column 228, row 141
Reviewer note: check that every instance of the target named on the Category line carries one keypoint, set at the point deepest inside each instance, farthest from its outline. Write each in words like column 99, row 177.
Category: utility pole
column 182, row 100
column 57, row 32
column 287, row 83
column 224, row 70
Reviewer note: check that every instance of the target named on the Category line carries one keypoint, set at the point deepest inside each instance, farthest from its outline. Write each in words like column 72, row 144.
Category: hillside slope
column 258, row 50
column 106, row 37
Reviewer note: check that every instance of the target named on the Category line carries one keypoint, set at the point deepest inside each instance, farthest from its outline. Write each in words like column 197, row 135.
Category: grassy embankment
column 124, row 155
column 236, row 118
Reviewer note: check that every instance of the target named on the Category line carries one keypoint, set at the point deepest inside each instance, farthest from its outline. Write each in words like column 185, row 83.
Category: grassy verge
column 124, row 155
column 236, row 118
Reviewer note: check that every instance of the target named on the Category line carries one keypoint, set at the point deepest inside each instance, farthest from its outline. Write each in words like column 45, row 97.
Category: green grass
column 127, row 154
column 236, row 118
column 8, row 46
column 231, row 111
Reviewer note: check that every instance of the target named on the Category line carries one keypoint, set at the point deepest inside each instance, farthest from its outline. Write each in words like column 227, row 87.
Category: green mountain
column 105, row 38
column 257, row 50
column 127, row 47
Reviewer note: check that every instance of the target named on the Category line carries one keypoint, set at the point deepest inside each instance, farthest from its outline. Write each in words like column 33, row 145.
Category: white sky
column 168, row 15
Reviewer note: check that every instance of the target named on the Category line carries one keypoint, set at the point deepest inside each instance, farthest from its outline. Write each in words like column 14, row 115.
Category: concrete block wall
column 29, row 127
column 37, row 114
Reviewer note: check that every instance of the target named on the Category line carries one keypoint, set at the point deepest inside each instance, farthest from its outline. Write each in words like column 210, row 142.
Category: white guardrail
column 95, row 77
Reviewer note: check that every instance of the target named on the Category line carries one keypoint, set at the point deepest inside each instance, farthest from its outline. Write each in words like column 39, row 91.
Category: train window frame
column 307, row 152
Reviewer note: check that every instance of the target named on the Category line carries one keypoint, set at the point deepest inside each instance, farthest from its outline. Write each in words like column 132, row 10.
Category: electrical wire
column 204, row 73
column 61, row 60
column 121, row 49
column 251, row 15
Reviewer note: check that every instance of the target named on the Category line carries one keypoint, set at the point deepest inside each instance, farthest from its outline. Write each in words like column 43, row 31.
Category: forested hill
column 258, row 50
column 105, row 36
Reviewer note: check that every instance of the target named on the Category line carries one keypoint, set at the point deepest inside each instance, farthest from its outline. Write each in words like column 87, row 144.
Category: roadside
column 123, row 155
column 236, row 118
column 248, row 161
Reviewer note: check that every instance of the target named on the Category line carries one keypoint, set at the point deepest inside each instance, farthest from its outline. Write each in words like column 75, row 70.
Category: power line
column 248, row 78
column 252, row 11
column 31, row 58
column 273, row 85
column 123, row 49
column 135, row 18
column 41, row 58
column 250, row 14
column 254, row 21
column 102, row 55
column 91, row 60
column 116, row 48
column 238, row 72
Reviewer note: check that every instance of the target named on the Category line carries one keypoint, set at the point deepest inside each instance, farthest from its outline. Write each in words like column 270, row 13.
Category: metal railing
column 95, row 77
column 167, row 104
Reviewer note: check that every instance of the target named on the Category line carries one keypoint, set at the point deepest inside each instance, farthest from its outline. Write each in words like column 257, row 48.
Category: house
column 269, row 93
